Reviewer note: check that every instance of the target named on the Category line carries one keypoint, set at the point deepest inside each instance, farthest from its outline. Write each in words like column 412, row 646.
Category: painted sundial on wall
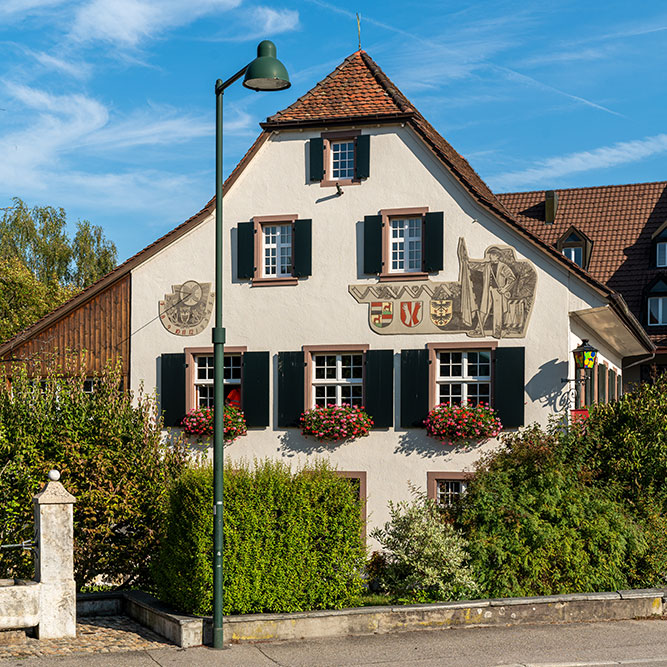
column 187, row 310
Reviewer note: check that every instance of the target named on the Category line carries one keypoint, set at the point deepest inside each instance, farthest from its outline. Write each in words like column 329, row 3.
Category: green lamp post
column 266, row 72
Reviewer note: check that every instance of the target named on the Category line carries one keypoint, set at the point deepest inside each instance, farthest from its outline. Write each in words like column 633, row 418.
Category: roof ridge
column 581, row 187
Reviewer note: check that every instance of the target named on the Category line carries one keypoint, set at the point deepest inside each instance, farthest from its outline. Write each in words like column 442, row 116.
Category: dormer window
column 576, row 246
column 575, row 253
column 657, row 304
column 659, row 247
column 661, row 253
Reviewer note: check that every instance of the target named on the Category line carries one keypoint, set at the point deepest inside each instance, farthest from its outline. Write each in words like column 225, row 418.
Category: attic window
column 659, row 247
column 657, row 304
column 340, row 158
column 576, row 247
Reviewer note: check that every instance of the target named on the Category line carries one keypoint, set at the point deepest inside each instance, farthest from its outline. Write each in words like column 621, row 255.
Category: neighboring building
column 618, row 233
column 365, row 262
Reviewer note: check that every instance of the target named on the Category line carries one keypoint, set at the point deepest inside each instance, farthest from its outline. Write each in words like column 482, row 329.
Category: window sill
column 325, row 183
column 402, row 277
column 276, row 282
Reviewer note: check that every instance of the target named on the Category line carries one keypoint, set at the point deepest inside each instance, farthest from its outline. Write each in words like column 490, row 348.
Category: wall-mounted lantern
column 584, row 356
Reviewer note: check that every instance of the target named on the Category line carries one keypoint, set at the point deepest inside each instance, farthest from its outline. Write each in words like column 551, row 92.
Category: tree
column 41, row 266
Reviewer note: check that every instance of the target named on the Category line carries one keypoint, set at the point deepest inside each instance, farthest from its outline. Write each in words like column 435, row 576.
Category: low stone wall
column 186, row 630
column 19, row 604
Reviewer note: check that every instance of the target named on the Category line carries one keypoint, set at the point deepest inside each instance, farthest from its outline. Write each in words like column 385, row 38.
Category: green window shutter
column 245, row 255
column 290, row 388
column 255, row 389
column 602, row 376
column 588, row 388
column 302, row 260
column 509, row 385
column 414, row 388
column 362, row 164
column 372, row 244
column 316, row 159
column 433, row 242
column 379, row 387
column 611, row 383
column 172, row 388
column 619, row 387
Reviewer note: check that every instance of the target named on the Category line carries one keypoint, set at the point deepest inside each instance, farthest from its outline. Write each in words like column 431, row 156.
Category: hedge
column 292, row 540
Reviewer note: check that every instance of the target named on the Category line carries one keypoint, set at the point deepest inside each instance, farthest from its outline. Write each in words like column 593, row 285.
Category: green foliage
column 108, row 448
column 425, row 557
column 625, row 444
column 292, row 541
column 23, row 298
column 41, row 266
column 537, row 525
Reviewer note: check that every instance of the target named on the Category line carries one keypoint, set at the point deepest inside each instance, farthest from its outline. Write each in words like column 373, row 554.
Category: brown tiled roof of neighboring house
column 620, row 220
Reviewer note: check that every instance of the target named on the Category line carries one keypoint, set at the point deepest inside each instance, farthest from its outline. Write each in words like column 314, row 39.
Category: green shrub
column 108, row 448
column 425, row 556
column 292, row 541
column 536, row 525
column 625, row 444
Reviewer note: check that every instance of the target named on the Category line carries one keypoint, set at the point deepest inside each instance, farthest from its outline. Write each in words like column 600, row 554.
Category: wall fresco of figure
column 493, row 296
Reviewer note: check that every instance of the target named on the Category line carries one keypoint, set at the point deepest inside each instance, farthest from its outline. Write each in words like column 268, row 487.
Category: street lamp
column 266, row 72
column 584, row 356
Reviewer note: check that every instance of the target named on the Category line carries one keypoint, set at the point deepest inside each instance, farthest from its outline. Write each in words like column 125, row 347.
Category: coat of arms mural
column 187, row 310
column 493, row 296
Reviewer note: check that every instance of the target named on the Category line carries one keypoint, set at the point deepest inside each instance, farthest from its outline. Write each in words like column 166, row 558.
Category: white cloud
column 19, row 8
column 547, row 171
column 129, row 22
column 76, row 69
column 273, row 21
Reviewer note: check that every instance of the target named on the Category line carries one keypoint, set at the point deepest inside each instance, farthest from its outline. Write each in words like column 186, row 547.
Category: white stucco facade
column 319, row 310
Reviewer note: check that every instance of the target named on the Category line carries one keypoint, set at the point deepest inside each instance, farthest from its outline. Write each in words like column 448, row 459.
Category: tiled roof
column 351, row 90
column 620, row 220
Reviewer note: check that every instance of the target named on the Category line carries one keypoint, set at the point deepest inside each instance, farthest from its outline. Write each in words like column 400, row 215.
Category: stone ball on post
column 54, row 475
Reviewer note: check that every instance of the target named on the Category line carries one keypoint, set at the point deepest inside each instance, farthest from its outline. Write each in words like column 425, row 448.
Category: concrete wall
column 319, row 310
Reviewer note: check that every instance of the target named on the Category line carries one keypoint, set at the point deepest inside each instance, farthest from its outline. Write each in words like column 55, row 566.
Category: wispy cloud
column 74, row 68
column 42, row 158
column 19, row 8
column 547, row 171
column 566, row 56
column 129, row 22
column 458, row 57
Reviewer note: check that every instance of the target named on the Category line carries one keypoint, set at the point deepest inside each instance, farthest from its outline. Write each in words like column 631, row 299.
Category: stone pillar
column 54, row 562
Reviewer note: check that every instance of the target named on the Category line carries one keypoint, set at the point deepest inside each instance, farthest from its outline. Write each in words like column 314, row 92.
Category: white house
column 364, row 262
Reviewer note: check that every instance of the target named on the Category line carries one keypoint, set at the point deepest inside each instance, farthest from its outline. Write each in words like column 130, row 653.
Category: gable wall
column 320, row 310
column 100, row 327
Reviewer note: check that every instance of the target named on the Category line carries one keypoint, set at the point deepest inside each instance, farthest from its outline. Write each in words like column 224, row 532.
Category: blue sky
column 107, row 106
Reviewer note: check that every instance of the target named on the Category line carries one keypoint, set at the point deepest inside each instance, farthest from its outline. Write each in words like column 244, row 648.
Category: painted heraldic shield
column 187, row 310
column 381, row 313
column 441, row 312
column 411, row 313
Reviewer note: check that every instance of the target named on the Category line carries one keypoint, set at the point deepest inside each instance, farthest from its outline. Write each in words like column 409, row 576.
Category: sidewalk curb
column 187, row 630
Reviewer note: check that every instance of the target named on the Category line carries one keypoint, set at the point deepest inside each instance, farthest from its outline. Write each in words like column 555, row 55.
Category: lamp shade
column 266, row 72
column 584, row 355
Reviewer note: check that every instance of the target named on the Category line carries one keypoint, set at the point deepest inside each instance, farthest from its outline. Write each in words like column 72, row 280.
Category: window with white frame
column 204, row 376
column 342, row 159
column 574, row 254
column 406, row 244
column 338, row 379
column 448, row 491
column 657, row 310
column 277, row 250
column 463, row 377
column 661, row 253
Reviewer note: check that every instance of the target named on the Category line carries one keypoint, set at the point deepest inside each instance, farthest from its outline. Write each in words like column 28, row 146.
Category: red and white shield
column 411, row 313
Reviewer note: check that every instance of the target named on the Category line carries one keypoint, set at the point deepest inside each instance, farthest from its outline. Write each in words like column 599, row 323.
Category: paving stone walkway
column 99, row 634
